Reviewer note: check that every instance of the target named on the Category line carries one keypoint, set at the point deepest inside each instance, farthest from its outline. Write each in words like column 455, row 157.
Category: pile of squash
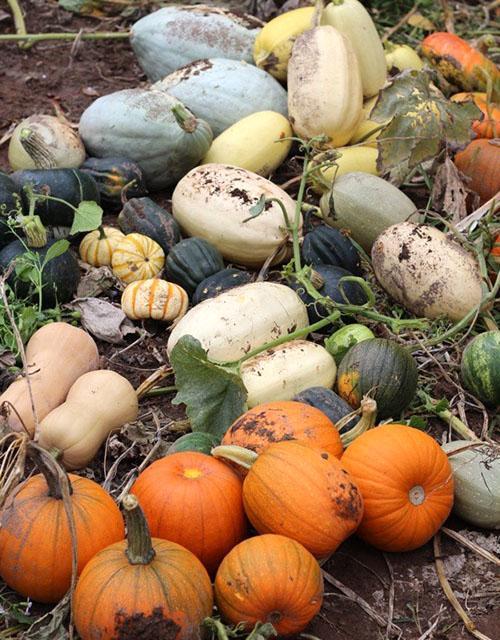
column 303, row 468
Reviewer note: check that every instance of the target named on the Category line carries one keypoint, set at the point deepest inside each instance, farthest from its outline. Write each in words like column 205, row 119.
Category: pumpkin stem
column 36, row 148
column 316, row 280
column 368, row 409
column 139, row 547
column 51, row 470
column 239, row 455
column 102, row 233
column 184, row 118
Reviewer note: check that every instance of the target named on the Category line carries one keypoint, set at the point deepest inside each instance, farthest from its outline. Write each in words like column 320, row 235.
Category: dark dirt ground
column 73, row 76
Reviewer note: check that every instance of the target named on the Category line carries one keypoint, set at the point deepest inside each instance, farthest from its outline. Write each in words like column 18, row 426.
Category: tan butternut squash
column 98, row 403
column 57, row 354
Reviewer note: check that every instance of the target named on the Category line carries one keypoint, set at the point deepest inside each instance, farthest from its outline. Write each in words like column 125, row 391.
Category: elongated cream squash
column 241, row 319
column 98, row 403
column 282, row 372
column 57, row 354
column 358, row 158
column 214, row 202
column 259, row 143
column 324, row 86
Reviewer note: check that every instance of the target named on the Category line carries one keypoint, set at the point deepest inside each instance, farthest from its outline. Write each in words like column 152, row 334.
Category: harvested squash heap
column 297, row 220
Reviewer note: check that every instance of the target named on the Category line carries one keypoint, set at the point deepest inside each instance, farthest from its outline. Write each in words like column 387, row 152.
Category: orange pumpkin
column 140, row 587
column 406, row 482
column 489, row 124
column 284, row 420
column 495, row 248
column 304, row 493
column 195, row 500
column 35, row 541
column 288, row 593
column 480, row 161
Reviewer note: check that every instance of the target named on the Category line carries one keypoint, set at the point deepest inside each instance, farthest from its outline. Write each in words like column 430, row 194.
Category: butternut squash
column 98, row 403
column 58, row 354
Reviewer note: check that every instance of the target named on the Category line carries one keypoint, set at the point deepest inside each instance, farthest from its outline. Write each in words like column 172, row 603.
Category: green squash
column 329, row 403
column 195, row 441
column 339, row 343
column 325, row 245
column 192, row 260
column 382, row 369
column 476, row 474
column 219, row 282
column 71, row 185
column 480, row 367
column 142, row 215
column 10, row 199
column 116, row 178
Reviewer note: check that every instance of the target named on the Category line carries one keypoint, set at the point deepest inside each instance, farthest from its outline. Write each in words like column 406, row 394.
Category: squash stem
column 139, row 546
column 367, row 420
column 31, row 38
column 455, row 423
column 51, row 470
column 184, row 118
column 102, row 233
column 18, row 17
column 239, row 455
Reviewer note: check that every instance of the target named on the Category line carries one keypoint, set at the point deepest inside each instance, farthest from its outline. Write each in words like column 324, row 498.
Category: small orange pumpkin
column 195, row 500
column 137, row 257
column 96, row 248
column 406, row 482
column 480, row 161
column 288, row 593
column 489, row 124
column 142, row 586
column 154, row 298
column 284, row 420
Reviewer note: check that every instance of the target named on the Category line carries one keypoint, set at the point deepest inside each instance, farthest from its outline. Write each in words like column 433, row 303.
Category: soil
column 72, row 76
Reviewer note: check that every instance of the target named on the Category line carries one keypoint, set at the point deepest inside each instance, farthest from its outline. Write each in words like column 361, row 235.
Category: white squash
column 426, row 272
column 221, row 92
column 359, row 158
column 174, row 36
column 282, row 372
column 214, row 200
column 324, row 86
column 242, row 319
column 260, row 143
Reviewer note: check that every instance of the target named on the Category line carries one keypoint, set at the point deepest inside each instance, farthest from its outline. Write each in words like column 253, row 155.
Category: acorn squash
column 192, row 260
column 219, row 282
column 325, row 245
column 327, row 401
column 143, row 215
column 116, row 178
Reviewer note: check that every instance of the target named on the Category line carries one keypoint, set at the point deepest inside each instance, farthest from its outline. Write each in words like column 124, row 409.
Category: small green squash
column 195, row 441
column 192, row 260
column 143, row 215
column 9, row 199
column 325, row 245
column 71, row 185
column 384, row 370
column 480, row 367
column 219, row 282
column 115, row 178
column 476, row 473
column 339, row 343
column 329, row 403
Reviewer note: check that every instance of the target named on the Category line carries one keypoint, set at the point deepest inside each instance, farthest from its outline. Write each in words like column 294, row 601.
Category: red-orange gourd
column 304, row 493
column 284, row 420
column 406, row 482
column 480, row 161
column 142, row 588
column 196, row 501
column 35, row 541
column 495, row 248
column 459, row 63
column 269, row 578
column 489, row 124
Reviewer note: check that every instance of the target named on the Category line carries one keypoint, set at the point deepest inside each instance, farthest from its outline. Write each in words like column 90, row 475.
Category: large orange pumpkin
column 406, row 482
column 142, row 588
column 480, row 161
column 284, row 420
column 303, row 493
column 196, row 501
column 35, row 541
column 269, row 578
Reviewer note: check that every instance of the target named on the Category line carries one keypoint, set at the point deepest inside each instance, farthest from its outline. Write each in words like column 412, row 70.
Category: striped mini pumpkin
column 154, row 298
column 137, row 257
column 97, row 247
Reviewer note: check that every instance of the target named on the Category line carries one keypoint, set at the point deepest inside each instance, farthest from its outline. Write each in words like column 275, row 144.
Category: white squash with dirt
column 324, row 86
column 242, row 319
column 215, row 201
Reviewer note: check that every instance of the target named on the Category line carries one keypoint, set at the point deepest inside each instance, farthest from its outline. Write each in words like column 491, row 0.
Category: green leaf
column 25, row 269
column 257, row 208
column 418, row 422
column 88, row 216
column 55, row 250
column 214, row 394
column 441, row 405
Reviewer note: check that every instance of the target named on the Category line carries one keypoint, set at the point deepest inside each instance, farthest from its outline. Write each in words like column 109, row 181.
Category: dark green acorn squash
column 329, row 403
column 192, row 260
column 219, row 282
column 142, row 215
column 480, row 367
column 196, row 441
column 9, row 198
column 112, row 176
column 382, row 369
column 71, row 185
column 325, row 245
column 60, row 276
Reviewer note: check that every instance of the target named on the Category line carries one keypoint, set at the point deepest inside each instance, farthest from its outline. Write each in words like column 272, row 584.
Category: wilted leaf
column 214, row 394
column 88, row 217
column 96, row 280
column 449, row 193
column 103, row 319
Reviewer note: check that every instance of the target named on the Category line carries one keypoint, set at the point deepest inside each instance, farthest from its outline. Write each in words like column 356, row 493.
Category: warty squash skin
column 154, row 299
column 241, row 319
column 214, row 202
column 174, row 36
column 96, row 247
column 324, row 86
column 49, row 347
column 406, row 482
column 244, row 592
column 97, row 404
column 137, row 257
column 282, row 372
column 35, row 541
